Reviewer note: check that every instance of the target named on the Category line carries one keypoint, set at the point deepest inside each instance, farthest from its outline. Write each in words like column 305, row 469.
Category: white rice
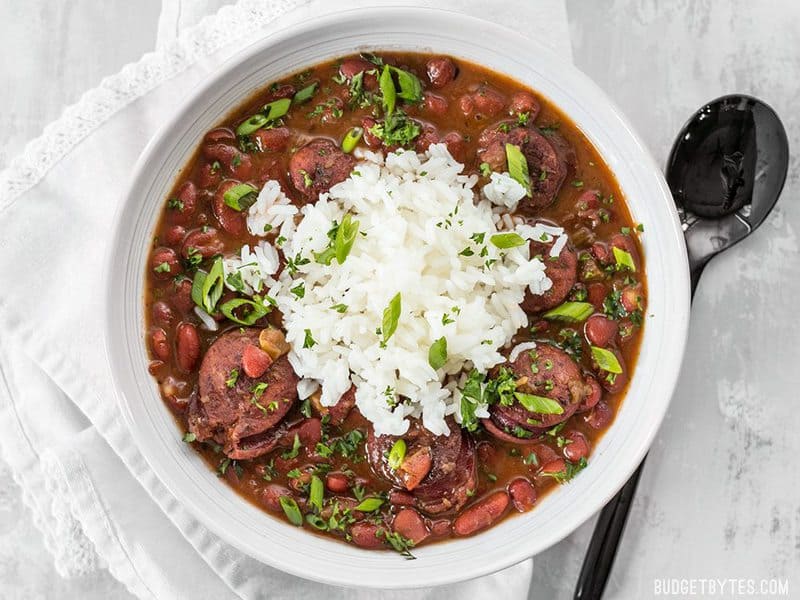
column 417, row 215
column 519, row 349
column 503, row 190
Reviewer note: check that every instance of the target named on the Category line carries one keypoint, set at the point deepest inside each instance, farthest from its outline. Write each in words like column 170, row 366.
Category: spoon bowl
column 726, row 171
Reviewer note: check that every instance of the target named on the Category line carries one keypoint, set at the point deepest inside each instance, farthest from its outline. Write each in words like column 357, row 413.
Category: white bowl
column 295, row 550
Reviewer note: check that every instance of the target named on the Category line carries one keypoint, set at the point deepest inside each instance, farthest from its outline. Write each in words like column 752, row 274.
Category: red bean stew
column 232, row 388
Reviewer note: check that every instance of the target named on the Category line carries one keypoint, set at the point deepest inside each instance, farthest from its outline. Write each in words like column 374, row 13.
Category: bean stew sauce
column 220, row 356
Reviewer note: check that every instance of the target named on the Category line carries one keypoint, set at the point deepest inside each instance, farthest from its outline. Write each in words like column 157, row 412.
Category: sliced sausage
column 234, row 409
column 562, row 270
column 318, row 166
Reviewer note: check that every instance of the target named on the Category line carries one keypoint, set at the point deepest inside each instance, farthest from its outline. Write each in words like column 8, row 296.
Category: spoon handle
column 602, row 550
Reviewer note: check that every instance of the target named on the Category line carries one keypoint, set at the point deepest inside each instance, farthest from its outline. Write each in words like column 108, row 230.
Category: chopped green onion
column 572, row 312
column 410, row 85
column 351, row 139
column 507, row 240
column 606, row 360
column 340, row 308
column 305, row 94
column 391, row 316
column 486, row 169
column 397, row 454
column 212, row 288
column 252, row 124
column 278, row 108
column 437, row 354
column 240, row 197
column 345, row 237
column 291, row 510
column 369, row 504
column 388, row 91
column 189, row 437
column 623, row 258
column 316, row 522
column 255, row 312
column 518, row 167
column 315, row 492
column 197, row 287
column 539, row 404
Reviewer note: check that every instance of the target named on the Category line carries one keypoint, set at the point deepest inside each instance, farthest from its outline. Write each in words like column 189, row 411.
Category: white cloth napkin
column 89, row 489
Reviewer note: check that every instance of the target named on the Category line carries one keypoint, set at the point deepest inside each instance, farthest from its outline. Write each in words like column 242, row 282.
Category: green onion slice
column 278, row 108
column 397, row 454
column 388, row 91
column 316, row 522
column 507, row 240
column 391, row 316
column 606, row 360
column 252, row 124
column 518, row 167
column 623, row 258
column 572, row 312
column 437, row 354
column 253, row 311
column 291, row 510
column 315, row 493
column 410, row 85
column 197, row 287
column 345, row 238
column 305, row 94
column 369, row 504
column 539, row 404
column 351, row 139
column 212, row 287
column 240, row 197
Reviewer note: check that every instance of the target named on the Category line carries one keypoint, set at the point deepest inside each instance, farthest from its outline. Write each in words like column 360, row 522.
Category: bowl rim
column 371, row 574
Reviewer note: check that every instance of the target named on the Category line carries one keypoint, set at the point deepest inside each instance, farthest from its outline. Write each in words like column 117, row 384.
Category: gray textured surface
column 720, row 496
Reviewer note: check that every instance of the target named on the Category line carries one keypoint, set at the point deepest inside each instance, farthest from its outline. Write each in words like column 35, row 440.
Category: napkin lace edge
column 135, row 79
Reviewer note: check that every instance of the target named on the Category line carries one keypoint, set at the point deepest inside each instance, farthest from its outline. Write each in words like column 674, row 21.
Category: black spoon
column 726, row 171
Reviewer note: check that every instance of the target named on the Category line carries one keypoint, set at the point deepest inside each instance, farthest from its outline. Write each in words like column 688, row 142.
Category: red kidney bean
column 299, row 483
column 614, row 382
column 353, row 66
column 282, row 91
column 220, row 134
column 588, row 200
column 485, row 452
column 255, row 361
column 164, row 263
column 273, row 140
column 231, row 220
column 182, row 207
column 593, row 396
column 436, row 105
column 466, row 105
column 410, row 524
column 400, row 498
column 182, row 299
column 602, row 253
column 523, row 494
column 577, row 446
column 174, row 235
column 600, row 331
column 481, row 514
column 428, row 136
column 234, row 161
column 271, row 496
column 441, row 71
column 204, row 241
column 154, row 367
column 554, row 466
column 370, row 139
column 545, row 454
column 488, row 102
column 209, row 175
column 525, row 102
column 365, row 535
column 456, row 146
column 162, row 313
column 596, row 293
column 338, row 483
column 187, row 346
column 441, row 527
column 600, row 416
column 625, row 242
column 309, row 432
column 159, row 343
